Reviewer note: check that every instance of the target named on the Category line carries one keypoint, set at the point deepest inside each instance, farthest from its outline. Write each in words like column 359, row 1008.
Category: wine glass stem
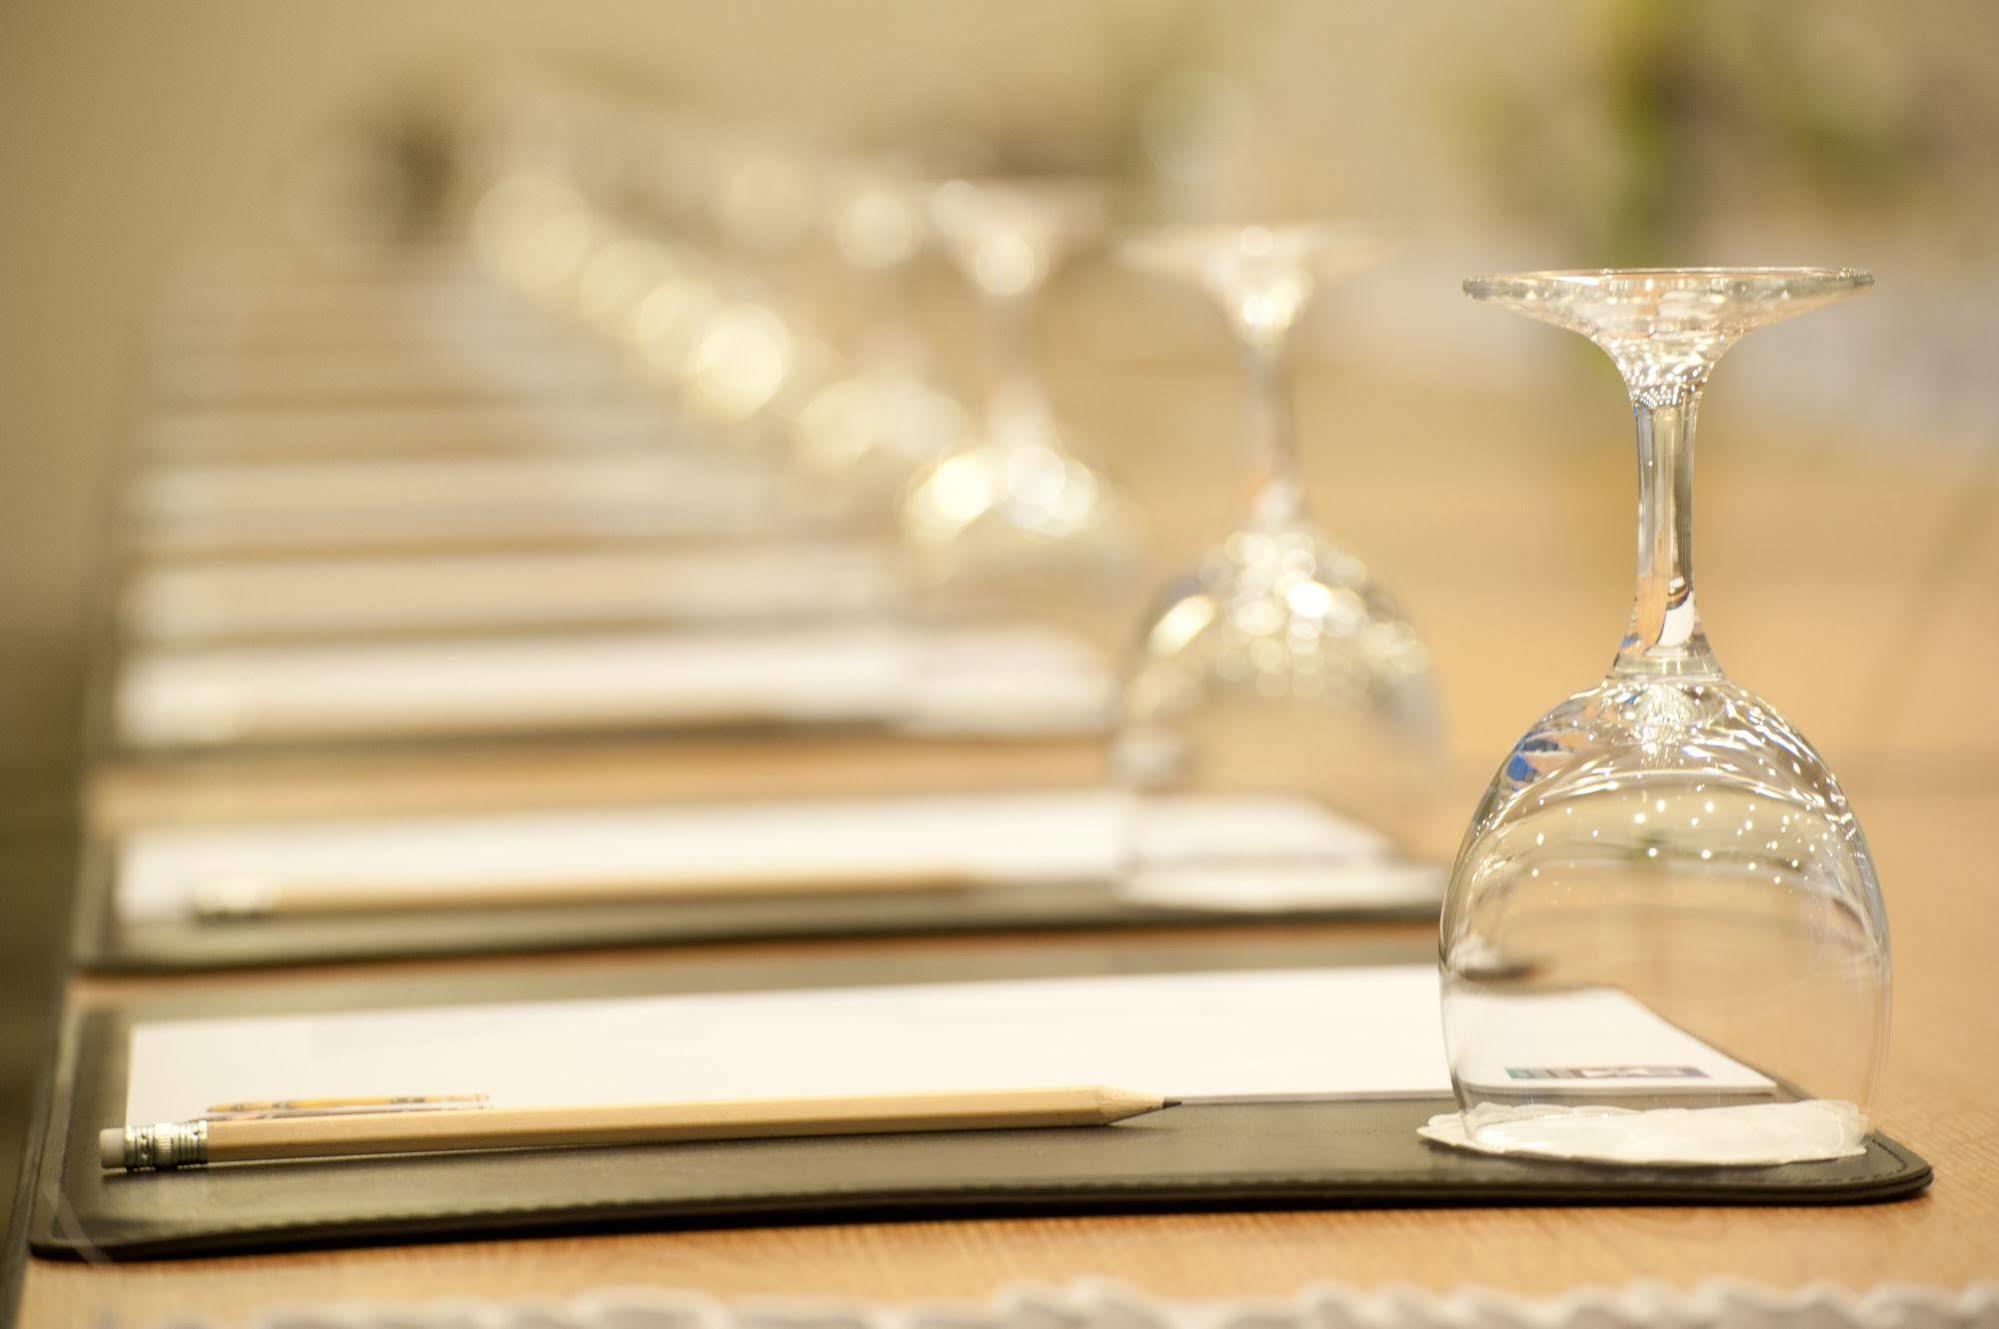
column 1012, row 377
column 1279, row 499
column 888, row 293
column 1665, row 637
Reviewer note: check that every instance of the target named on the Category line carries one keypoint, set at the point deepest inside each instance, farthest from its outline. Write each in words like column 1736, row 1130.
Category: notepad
column 455, row 428
column 1283, row 1034
column 566, row 369
column 998, row 680
column 194, row 602
column 1018, row 839
column 221, row 507
column 299, row 283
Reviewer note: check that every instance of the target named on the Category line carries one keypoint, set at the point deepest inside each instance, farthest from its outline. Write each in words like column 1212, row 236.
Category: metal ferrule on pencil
column 166, row 1145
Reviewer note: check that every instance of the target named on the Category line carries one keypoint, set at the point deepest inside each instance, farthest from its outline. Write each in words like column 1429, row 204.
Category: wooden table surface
column 1858, row 590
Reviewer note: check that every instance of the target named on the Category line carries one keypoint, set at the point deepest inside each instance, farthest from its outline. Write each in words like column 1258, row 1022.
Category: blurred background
column 1862, row 444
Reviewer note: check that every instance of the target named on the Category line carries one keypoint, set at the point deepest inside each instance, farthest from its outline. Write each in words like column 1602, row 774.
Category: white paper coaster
column 1750, row 1135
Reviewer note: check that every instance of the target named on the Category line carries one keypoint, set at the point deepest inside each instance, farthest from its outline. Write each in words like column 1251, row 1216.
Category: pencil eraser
column 111, row 1146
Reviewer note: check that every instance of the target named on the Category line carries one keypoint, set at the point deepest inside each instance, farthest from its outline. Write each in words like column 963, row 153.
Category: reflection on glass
column 1015, row 511
column 1664, row 833
column 1277, row 665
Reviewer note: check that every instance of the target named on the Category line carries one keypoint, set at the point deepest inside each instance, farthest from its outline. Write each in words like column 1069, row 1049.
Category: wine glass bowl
column 1279, row 663
column 1666, row 834
column 1675, row 839
column 868, row 430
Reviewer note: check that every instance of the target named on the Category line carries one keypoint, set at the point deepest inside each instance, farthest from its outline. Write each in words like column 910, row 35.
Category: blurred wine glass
column 860, row 438
column 1277, row 666
column 1015, row 514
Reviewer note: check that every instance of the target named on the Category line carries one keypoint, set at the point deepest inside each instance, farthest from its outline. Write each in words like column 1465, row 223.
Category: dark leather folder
column 1271, row 1155
column 102, row 942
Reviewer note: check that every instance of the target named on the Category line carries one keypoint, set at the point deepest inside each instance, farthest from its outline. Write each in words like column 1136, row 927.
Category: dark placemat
column 103, row 942
column 1197, row 1157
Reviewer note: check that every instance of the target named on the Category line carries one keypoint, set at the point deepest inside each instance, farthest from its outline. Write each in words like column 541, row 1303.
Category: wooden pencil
column 247, row 899
column 171, row 1145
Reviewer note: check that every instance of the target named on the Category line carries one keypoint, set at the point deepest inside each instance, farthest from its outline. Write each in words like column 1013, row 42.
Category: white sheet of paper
column 561, row 369
column 193, row 602
column 988, row 679
column 457, row 428
column 1584, row 1031
column 370, row 502
column 1272, row 1034
column 1070, row 835
column 286, row 282
column 436, row 336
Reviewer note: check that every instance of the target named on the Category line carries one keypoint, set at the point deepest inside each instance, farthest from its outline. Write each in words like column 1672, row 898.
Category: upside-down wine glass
column 1015, row 514
column 859, row 439
column 1664, row 838
column 1277, row 667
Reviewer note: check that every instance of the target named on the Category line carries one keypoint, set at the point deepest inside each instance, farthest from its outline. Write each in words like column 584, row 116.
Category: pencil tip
column 1117, row 1104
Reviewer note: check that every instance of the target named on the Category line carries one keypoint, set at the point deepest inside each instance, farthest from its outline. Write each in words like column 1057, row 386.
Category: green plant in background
column 1681, row 112
column 1648, row 89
